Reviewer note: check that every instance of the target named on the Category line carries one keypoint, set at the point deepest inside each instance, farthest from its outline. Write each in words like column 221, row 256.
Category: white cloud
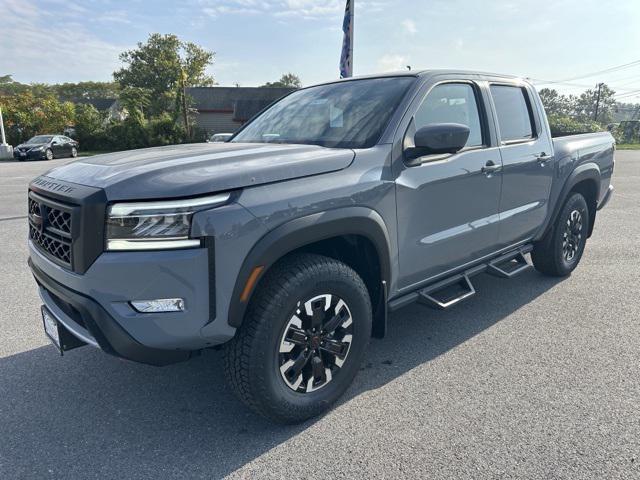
column 304, row 9
column 390, row 62
column 114, row 16
column 410, row 26
column 32, row 52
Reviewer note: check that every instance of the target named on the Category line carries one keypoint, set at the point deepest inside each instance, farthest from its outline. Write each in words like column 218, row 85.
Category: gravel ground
column 531, row 378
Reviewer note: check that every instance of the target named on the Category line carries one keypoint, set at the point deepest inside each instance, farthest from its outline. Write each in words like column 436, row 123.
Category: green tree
column 593, row 107
column 26, row 115
column 158, row 65
column 136, row 100
column 83, row 92
column 88, row 126
column 8, row 86
column 557, row 104
column 289, row 80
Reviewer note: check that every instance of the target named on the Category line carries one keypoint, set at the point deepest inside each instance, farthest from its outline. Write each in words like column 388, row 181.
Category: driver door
column 447, row 205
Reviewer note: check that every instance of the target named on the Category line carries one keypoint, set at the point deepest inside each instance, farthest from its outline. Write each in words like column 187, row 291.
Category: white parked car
column 220, row 137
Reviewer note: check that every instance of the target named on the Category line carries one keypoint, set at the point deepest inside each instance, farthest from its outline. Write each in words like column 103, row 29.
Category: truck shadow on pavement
column 91, row 415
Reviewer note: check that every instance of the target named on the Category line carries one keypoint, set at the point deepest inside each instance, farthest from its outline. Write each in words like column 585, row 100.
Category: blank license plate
column 51, row 328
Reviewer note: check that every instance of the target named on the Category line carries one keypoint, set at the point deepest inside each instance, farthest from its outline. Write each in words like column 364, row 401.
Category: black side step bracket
column 457, row 287
column 508, row 266
column 447, row 293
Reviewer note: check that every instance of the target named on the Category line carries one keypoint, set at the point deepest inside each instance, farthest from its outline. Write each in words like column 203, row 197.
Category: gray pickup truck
column 289, row 244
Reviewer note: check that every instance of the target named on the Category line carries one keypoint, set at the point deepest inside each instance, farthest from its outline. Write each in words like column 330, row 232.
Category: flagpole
column 6, row 151
column 353, row 7
column 4, row 140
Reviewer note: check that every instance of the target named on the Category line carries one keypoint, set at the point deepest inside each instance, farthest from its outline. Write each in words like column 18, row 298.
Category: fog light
column 159, row 305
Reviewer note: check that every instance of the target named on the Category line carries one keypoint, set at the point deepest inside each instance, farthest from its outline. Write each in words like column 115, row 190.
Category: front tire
column 561, row 249
column 48, row 154
column 303, row 339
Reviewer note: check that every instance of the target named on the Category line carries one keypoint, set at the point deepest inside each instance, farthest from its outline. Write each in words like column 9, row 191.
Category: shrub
column 561, row 126
column 165, row 130
column 89, row 127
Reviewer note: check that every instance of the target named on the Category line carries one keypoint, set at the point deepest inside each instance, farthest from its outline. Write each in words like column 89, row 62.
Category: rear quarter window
column 514, row 113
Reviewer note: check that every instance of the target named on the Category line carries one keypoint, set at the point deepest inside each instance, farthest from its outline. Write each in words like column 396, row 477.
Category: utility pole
column 185, row 114
column 595, row 116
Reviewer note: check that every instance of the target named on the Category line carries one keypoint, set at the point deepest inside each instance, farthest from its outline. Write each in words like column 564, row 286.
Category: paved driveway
column 532, row 378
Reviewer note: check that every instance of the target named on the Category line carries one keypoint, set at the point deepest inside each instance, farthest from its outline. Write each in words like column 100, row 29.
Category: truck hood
column 197, row 169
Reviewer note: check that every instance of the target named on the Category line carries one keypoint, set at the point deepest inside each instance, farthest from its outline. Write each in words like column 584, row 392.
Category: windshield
column 40, row 139
column 343, row 115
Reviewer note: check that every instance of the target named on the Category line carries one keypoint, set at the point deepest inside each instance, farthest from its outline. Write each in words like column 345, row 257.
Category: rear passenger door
column 527, row 163
column 57, row 146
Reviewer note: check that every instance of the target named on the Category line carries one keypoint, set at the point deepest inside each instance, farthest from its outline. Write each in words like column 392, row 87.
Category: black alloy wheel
column 560, row 250
column 572, row 236
column 315, row 343
column 302, row 340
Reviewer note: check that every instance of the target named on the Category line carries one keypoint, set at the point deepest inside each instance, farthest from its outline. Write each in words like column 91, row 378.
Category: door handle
column 543, row 158
column 489, row 168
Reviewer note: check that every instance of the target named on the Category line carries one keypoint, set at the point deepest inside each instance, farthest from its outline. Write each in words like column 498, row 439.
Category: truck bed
column 574, row 150
column 583, row 144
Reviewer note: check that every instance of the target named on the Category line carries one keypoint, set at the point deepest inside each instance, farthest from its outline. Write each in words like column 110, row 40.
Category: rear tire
column 561, row 249
column 300, row 299
column 74, row 152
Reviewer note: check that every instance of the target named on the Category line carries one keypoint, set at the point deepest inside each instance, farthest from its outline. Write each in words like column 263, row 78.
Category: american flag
column 346, row 59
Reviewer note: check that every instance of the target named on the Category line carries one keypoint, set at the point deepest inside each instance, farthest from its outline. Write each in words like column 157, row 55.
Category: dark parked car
column 290, row 243
column 46, row 147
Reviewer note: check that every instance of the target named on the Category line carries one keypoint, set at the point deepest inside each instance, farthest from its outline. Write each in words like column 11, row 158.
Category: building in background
column 225, row 109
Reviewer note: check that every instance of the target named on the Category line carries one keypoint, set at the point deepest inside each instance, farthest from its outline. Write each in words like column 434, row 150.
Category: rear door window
column 452, row 103
column 514, row 113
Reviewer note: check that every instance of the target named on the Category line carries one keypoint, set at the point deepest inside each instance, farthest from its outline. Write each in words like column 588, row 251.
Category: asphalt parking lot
column 532, row 378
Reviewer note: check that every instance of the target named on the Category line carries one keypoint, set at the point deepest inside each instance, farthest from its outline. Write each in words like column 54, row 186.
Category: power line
column 609, row 84
column 634, row 81
column 600, row 72
column 549, row 82
column 635, row 93
column 567, row 81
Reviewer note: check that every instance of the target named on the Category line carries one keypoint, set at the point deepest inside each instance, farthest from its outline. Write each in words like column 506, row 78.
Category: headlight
column 156, row 225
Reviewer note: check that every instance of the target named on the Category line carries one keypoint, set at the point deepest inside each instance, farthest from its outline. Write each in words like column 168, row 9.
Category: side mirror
column 439, row 138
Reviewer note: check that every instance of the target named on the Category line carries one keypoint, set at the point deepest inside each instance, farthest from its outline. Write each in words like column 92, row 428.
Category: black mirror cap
column 441, row 138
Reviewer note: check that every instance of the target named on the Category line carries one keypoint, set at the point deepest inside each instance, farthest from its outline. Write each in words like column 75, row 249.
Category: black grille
column 50, row 229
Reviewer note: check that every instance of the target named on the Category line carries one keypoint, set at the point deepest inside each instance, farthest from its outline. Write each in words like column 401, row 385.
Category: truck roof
column 421, row 73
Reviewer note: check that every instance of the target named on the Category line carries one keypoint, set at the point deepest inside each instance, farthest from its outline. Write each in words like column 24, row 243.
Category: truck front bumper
column 89, row 322
column 95, row 306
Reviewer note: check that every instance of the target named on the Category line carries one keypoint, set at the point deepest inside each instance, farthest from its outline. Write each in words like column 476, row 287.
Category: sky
column 256, row 41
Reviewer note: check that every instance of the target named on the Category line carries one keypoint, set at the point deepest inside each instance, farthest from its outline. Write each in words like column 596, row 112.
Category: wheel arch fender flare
column 587, row 171
column 304, row 231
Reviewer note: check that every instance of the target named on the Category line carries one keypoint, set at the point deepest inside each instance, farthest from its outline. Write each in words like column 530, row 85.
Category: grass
column 628, row 146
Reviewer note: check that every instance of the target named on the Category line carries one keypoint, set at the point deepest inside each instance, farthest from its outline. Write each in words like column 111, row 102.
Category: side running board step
column 455, row 288
column 447, row 293
column 508, row 266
